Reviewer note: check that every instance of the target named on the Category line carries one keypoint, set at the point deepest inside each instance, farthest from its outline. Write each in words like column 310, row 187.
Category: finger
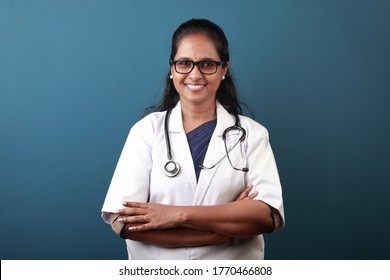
column 142, row 227
column 134, row 204
column 245, row 193
column 252, row 195
column 131, row 211
column 133, row 219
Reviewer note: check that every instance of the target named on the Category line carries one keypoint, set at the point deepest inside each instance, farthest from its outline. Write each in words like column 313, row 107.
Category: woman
column 196, row 180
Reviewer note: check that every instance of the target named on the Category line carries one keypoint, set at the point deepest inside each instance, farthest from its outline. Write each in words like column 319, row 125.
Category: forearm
column 239, row 218
column 242, row 217
column 235, row 219
column 174, row 237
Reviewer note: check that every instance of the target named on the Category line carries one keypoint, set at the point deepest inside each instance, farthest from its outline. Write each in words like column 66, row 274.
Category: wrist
column 183, row 215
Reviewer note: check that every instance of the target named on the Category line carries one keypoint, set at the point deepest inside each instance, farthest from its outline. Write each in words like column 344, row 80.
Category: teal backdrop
column 76, row 75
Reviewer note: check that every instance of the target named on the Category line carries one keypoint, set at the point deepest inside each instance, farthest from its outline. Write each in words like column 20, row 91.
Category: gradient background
column 76, row 75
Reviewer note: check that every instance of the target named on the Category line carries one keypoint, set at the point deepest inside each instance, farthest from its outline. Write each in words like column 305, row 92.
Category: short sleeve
column 131, row 178
column 263, row 172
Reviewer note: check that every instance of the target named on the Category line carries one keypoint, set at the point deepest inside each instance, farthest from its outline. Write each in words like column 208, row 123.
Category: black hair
column 227, row 91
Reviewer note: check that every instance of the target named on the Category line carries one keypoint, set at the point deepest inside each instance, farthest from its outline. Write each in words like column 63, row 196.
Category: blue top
column 198, row 140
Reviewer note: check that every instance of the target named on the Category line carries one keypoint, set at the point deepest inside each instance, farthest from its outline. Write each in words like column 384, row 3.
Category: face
column 196, row 88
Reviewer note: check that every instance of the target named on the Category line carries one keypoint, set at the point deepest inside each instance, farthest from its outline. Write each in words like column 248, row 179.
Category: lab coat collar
column 224, row 119
column 175, row 122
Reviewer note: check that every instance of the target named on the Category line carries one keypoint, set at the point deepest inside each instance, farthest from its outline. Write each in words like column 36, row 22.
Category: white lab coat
column 139, row 176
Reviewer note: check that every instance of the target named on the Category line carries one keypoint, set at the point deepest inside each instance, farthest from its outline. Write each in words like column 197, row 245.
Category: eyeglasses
column 205, row 67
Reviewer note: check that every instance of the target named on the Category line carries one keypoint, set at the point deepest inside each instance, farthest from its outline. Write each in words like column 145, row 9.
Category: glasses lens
column 183, row 66
column 208, row 67
column 205, row 67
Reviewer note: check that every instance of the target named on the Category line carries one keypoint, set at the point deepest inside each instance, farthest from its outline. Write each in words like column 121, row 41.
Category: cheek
column 178, row 84
column 177, row 81
column 215, row 83
column 176, row 76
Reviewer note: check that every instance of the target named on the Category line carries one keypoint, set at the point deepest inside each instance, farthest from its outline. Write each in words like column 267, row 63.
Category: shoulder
column 146, row 129
column 149, row 123
column 253, row 128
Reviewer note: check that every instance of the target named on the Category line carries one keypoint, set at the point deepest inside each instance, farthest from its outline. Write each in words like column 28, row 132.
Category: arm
column 239, row 218
column 181, row 236
column 175, row 237
column 243, row 217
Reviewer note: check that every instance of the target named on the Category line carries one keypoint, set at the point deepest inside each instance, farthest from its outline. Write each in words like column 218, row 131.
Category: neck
column 194, row 116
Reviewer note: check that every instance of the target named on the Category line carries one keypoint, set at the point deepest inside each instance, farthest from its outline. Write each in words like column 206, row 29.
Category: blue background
column 76, row 75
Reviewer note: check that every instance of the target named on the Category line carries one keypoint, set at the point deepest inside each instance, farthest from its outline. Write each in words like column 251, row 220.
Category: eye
column 208, row 64
column 184, row 63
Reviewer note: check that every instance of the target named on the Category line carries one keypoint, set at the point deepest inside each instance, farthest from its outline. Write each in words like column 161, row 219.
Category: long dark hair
column 227, row 91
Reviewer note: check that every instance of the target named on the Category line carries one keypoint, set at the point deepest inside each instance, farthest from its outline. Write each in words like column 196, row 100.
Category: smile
column 195, row 87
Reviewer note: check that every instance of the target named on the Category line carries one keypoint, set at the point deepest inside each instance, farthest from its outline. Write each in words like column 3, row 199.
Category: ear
column 225, row 68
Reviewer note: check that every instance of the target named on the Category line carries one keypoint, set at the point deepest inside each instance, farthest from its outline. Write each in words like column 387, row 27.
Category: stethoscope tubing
column 172, row 168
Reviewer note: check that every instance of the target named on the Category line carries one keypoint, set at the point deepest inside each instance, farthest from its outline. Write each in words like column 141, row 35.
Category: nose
column 195, row 74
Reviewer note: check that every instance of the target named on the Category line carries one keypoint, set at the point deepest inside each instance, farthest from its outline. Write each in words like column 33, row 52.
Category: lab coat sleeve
column 263, row 173
column 131, row 178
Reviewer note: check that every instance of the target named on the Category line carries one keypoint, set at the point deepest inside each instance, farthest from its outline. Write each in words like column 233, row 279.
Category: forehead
column 196, row 46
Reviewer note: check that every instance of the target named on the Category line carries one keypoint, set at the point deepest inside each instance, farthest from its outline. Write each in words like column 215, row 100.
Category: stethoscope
column 172, row 168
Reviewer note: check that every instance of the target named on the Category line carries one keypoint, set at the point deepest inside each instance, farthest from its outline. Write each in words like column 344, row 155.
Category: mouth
column 195, row 87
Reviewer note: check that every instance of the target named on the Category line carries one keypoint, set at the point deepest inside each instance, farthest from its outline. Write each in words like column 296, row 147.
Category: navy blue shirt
column 198, row 140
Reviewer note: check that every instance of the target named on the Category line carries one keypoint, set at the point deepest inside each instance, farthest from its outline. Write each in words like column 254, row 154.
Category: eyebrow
column 203, row 59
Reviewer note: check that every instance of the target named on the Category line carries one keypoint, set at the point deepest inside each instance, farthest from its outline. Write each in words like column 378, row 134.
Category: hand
column 149, row 216
column 245, row 194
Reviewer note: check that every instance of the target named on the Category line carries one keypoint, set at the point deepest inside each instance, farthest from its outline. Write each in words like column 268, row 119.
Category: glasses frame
column 173, row 62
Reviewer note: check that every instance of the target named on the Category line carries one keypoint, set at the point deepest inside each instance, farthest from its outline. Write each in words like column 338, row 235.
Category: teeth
column 195, row 86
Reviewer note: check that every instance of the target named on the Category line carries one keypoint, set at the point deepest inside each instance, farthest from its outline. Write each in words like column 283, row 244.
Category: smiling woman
column 197, row 89
column 168, row 211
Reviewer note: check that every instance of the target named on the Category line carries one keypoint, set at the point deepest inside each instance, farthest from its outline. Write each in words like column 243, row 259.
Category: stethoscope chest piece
column 171, row 168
